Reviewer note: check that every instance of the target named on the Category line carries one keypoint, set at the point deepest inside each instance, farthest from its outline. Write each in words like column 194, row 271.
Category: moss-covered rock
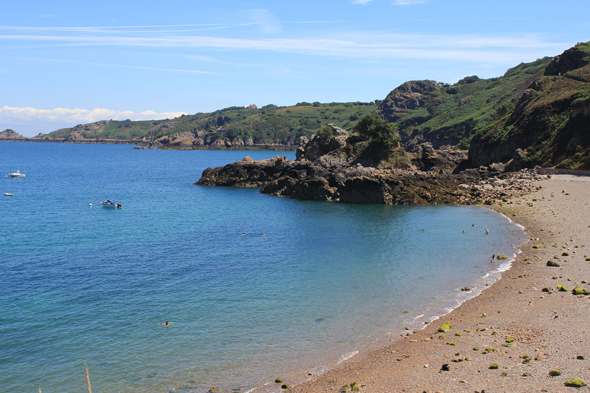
column 553, row 264
column 555, row 373
column 279, row 380
column 445, row 327
column 562, row 288
column 575, row 383
column 501, row 257
column 578, row 291
column 494, row 366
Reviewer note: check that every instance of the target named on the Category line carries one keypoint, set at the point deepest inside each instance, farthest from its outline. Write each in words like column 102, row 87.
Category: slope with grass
column 230, row 127
column 445, row 114
column 549, row 125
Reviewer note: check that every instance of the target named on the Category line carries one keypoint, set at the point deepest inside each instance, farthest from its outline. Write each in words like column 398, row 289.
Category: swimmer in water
column 165, row 323
column 487, row 232
column 493, row 258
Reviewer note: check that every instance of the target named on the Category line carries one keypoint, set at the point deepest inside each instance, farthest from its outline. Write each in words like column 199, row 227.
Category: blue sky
column 64, row 63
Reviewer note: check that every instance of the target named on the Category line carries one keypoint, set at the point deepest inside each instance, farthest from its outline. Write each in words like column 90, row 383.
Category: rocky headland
column 326, row 169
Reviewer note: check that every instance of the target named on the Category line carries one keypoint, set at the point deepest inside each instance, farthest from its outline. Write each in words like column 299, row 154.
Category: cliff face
column 550, row 123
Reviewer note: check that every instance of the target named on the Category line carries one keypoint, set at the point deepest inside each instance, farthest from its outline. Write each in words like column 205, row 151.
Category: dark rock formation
column 327, row 180
column 569, row 60
column 316, row 146
column 444, row 160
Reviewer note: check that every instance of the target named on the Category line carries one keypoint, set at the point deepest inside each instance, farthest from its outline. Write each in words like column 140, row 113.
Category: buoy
column 90, row 204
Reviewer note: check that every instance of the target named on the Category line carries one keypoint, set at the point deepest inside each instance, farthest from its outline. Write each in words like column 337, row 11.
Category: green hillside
column 452, row 114
column 267, row 125
column 549, row 125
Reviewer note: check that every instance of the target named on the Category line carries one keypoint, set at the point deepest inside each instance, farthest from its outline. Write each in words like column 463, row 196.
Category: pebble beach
column 526, row 333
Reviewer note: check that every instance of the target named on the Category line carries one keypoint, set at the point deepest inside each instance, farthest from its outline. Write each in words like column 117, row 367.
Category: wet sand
column 512, row 319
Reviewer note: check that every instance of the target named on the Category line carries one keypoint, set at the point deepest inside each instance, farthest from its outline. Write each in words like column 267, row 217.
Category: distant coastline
column 273, row 147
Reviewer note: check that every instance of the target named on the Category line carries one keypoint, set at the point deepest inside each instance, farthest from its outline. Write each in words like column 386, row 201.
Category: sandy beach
column 523, row 323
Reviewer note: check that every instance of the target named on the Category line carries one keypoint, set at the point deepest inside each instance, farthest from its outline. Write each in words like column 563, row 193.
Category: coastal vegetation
column 269, row 124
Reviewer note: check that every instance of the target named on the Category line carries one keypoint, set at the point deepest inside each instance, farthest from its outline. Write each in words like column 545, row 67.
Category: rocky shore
column 325, row 180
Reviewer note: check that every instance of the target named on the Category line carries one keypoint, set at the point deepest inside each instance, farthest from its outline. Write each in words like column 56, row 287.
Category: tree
column 378, row 131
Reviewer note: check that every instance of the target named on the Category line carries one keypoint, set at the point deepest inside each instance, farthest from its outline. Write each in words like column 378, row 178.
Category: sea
column 253, row 286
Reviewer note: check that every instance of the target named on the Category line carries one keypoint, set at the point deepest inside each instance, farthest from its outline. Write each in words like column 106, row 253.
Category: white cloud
column 77, row 116
column 363, row 2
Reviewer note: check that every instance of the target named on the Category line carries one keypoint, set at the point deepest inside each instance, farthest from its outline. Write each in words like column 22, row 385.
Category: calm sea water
column 86, row 284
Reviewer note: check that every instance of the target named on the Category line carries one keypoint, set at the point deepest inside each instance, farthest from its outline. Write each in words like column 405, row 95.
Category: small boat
column 110, row 204
column 17, row 174
column 8, row 194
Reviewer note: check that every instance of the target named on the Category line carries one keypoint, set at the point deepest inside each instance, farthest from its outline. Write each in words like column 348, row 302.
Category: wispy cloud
column 77, row 115
column 269, row 23
column 359, row 45
column 363, row 2
column 125, row 66
column 409, row 2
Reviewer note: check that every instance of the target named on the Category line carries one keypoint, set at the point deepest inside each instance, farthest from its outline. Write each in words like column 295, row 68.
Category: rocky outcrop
column 326, row 180
column 10, row 134
column 409, row 96
column 569, row 60
column 75, row 136
column 444, row 160
column 318, row 145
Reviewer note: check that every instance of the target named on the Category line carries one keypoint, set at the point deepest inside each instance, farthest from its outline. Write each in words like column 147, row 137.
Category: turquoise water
column 85, row 284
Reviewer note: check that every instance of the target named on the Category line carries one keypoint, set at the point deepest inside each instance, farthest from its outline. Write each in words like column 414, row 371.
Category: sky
column 64, row 63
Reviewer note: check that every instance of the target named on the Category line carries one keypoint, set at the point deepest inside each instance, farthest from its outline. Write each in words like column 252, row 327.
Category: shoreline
column 514, row 307
column 143, row 145
column 429, row 315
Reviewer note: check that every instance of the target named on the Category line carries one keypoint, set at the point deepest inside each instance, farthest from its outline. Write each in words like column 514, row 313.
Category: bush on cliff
column 382, row 137
column 378, row 130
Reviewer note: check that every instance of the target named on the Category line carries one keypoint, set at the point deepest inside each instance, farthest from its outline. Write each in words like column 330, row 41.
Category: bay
column 254, row 286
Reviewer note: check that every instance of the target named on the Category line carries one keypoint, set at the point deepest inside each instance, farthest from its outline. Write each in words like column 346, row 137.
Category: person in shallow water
column 165, row 323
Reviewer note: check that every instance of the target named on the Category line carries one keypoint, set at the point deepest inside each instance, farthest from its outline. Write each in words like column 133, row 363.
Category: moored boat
column 8, row 194
column 16, row 174
column 110, row 204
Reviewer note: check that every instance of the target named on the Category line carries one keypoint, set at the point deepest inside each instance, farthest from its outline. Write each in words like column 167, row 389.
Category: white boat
column 110, row 204
column 17, row 174
column 8, row 194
